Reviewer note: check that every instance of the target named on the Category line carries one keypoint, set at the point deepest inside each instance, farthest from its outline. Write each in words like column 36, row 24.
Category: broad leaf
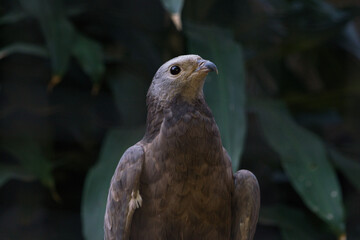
column 294, row 224
column 12, row 17
column 58, row 31
column 304, row 159
column 17, row 16
column 350, row 39
column 8, row 172
column 224, row 93
column 349, row 167
column 98, row 180
column 33, row 161
column 63, row 40
column 174, row 7
column 90, row 56
column 23, row 48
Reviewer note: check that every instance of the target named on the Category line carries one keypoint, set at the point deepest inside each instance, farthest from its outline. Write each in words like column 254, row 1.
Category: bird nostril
column 207, row 65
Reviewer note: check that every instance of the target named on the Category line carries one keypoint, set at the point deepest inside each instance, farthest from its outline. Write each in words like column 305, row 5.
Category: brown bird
column 177, row 182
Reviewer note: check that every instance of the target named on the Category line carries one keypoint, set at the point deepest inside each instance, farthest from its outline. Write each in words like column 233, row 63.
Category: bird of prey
column 177, row 182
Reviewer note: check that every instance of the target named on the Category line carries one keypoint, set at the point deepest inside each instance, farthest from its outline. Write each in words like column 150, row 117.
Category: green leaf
column 12, row 17
column 32, row 158
column 293, row 223
column 58, row 31
column 224, row 93
column 97, row 182
column 349, row 167
column 89, row 55
column 304, row 159
column 62, row 40
column 174, row 7
column 8, row 172
column 17, row 16
column 23, row 48
column 350, row 39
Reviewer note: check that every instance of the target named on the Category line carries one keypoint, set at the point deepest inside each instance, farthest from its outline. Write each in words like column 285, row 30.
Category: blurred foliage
column 174, row 7
column 347, row 166
column 225, row 92
column 294, row 223
column 285, row 99
column 303, row 157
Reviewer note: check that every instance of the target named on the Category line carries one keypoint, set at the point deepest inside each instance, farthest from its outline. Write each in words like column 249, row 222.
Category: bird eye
column 174, row 70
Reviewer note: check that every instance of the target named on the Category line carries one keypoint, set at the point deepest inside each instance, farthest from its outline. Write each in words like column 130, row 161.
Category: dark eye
column 175, row 70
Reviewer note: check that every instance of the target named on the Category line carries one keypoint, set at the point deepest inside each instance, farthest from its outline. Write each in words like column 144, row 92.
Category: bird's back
column 186, row 183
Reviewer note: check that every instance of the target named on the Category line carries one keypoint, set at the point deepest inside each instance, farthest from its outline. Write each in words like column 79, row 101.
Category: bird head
column 183, row 75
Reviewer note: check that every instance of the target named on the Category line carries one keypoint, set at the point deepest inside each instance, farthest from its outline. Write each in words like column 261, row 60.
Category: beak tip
column 211, row 66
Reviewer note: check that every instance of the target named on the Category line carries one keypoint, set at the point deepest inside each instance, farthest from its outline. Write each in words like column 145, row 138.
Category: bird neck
column 157, row 110
column 154, row 118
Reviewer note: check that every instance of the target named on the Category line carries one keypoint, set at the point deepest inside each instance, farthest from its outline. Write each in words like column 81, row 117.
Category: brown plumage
column 177, row 182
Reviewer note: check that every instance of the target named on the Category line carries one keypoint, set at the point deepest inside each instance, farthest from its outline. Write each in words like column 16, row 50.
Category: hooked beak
column 207, row 66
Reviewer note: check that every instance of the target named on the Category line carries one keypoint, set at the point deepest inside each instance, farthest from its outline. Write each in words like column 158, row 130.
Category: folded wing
column 245, row 205
column 124, row 197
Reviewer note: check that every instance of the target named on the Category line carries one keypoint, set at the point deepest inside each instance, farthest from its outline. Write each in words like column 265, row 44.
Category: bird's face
column 184, row 75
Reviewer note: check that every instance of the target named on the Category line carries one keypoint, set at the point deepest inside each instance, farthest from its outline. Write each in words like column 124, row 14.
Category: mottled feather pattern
column 245, row 205
column 185, row 156
column 177, row 182
column 123, row 183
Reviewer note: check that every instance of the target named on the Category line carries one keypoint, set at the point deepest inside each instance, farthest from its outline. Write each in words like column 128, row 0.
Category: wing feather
column 124, row 196
column 245, row 205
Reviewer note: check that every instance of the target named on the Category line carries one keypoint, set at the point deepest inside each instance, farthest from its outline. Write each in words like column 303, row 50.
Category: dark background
column 73, row 81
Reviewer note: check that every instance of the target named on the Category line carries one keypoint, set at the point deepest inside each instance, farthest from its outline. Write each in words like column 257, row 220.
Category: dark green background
column 286, row 102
